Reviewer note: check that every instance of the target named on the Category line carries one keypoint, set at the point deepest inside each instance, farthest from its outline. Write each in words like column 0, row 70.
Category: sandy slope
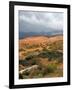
column 38, row 40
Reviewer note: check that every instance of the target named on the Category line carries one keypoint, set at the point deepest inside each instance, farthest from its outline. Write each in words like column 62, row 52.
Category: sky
column 40, row 21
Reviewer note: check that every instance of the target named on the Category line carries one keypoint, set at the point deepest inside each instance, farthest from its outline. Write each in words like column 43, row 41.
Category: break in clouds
column 31, row 21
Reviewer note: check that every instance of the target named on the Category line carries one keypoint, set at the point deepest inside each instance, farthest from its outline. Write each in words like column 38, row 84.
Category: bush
column 51, row 68
column 29, row 57
column 56, row 45
column 33, row 62
column 26, row 73
column 20, row 76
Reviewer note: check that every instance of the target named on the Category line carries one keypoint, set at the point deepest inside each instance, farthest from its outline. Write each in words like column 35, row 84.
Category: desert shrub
column 43, row 54
column 50, row 54
column 23, row 62
column 51, row 68
column 20, row 76
column 57, row 45
column 42, row 69
column 29, row 57
column 37, row 73
column 25, row 77
column 26, row 73
column 40, row 75
column 33, row 62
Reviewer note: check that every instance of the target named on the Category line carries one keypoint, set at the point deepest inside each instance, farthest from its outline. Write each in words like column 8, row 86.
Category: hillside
column 41, row 56
column 37, row 40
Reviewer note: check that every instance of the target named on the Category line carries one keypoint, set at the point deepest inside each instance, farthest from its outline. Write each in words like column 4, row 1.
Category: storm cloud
column 40, row 21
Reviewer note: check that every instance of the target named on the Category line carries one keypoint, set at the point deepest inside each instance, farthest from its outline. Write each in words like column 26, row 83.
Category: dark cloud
column 30, row 21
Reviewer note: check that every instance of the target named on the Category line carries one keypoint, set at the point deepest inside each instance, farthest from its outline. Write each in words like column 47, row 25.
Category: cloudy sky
column 31, row 21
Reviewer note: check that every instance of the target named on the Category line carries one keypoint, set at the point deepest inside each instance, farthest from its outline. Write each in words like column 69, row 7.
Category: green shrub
column 26, row 73
column 33, row 62
column 51, row 68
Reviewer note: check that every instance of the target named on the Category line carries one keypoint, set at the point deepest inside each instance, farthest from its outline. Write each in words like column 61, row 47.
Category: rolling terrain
column 41, row 57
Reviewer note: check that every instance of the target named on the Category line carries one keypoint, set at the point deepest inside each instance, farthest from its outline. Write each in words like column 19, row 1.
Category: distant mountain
column 28, row 34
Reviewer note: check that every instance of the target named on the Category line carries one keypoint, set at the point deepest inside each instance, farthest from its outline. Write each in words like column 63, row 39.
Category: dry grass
column 46, row 52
